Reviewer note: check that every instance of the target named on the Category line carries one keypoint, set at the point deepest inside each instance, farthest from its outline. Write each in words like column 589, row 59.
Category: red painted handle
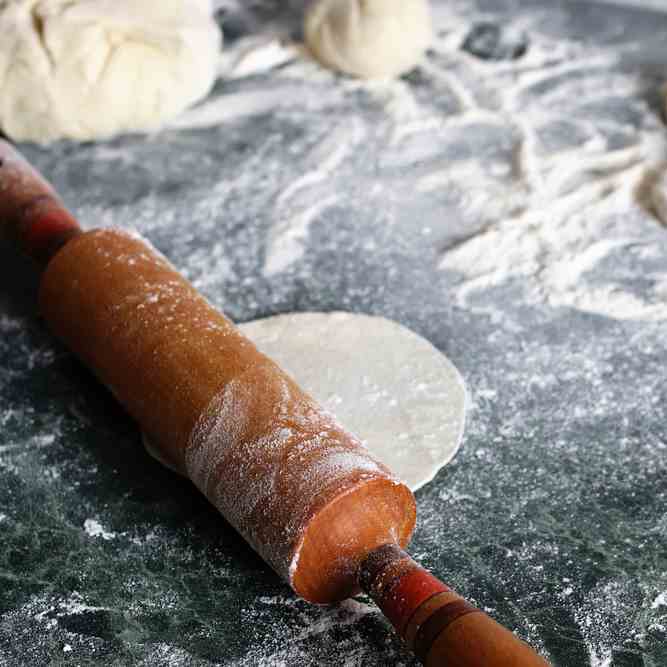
column 31, row 213
column 437, row 623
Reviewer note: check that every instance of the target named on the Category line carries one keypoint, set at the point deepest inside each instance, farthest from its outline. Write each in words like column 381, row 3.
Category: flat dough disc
column 387, row 385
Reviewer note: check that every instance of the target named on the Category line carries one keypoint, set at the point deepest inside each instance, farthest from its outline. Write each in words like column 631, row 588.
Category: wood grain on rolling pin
column 304, row 493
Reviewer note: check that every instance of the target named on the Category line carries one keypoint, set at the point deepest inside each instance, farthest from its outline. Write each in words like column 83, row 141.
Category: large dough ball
column 88, row 69
column 369, row 38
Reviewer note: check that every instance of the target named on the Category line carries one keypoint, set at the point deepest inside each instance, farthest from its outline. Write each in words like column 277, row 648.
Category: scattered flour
column 95, row 529
column 44, row 610
column 660, row 601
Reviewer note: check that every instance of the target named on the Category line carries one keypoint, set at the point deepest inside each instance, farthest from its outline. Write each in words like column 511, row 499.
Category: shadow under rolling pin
column 308, row 497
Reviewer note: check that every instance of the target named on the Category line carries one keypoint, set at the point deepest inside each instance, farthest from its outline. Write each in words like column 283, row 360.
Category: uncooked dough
column 88, row 69
column 369, row 38
column 390, row 387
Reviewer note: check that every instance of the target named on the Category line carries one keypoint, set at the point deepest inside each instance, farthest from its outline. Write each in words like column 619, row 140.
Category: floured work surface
column 499, row 208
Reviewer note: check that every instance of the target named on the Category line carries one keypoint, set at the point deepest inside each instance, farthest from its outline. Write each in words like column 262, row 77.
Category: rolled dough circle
column 390, row 387
column 401, row 396
column 87, row 70
column 369, row 38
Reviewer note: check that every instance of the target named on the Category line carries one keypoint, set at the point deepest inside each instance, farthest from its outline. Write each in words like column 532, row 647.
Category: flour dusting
column 95, row 529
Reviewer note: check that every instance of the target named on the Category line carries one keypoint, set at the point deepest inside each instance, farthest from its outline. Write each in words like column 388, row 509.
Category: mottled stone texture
column 496, row 208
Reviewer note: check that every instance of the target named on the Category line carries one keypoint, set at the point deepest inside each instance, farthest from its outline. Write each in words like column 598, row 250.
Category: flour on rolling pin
column 403, row 397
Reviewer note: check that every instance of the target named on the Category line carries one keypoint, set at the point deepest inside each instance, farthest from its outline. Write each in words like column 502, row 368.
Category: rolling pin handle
column 438, row 625
column 31, row 213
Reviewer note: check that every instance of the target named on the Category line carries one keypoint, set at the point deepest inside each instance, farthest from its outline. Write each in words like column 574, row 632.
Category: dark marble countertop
column 496, row 207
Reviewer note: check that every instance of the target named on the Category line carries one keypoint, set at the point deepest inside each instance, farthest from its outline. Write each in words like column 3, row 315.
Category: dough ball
column 369, row 38
column 89, row 69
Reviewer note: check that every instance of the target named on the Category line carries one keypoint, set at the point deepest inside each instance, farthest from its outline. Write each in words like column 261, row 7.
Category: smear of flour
column 95, row 529
column 288, row 245
column 255, row 56
column 236, row 106
column 660, row 601
column 49, row 610
column 658, row 5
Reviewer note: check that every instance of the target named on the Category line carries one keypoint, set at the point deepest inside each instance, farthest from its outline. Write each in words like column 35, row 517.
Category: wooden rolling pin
column 308, row 497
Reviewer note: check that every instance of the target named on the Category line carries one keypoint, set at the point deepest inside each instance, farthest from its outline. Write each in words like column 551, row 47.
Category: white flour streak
column 600, row 659
column 288, row 247
column 226, row 108
column 95, row 529
column 256, row 55
column 658, row 5
column 75, row 604
column 660, row 601
column 307, row 197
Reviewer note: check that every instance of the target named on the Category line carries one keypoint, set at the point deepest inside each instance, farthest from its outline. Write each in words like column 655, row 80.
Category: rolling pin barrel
column 304, row 492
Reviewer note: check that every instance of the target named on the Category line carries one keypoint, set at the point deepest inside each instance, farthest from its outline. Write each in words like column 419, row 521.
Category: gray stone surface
column 497, row 209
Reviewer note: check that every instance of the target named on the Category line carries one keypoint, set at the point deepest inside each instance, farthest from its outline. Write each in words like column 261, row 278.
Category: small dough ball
column 369, row 38
column 89, row 69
